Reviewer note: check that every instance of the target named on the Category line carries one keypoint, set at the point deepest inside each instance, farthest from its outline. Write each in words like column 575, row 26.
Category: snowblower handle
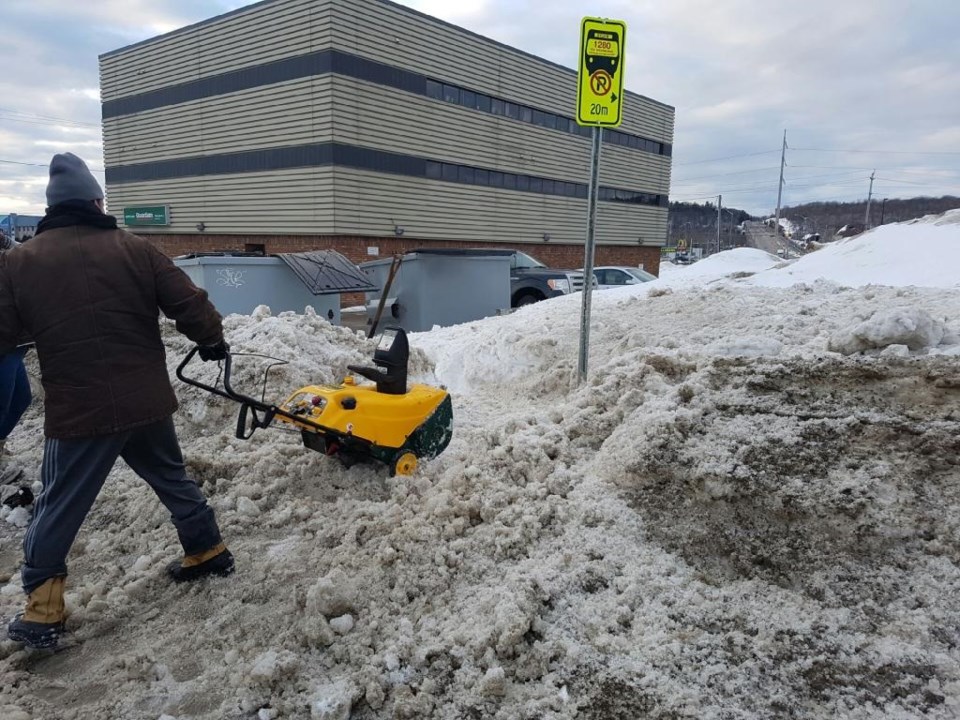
column 247, row 403
column 197, row 383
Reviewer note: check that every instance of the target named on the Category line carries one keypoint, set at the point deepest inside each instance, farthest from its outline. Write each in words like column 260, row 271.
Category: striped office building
column 371, row 128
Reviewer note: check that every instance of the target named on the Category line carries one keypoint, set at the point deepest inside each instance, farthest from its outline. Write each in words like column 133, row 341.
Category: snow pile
column 738, row 263
column 912, row 328
column 751, row 510
column 921, row 253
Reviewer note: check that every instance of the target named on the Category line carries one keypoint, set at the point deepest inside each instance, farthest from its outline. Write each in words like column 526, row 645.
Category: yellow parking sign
column 600, row 77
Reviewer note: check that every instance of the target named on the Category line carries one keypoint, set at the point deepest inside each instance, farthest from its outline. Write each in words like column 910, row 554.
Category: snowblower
column 386, row 422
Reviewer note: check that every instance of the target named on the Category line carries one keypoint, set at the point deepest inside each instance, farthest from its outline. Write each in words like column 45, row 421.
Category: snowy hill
column 921, row 253
column 751, row 510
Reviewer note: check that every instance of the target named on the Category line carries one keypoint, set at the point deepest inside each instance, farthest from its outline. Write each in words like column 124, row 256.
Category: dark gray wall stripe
column 410, row 11
column 349, row 65
column 301, row 66
column 226, row 164
column 361, row 158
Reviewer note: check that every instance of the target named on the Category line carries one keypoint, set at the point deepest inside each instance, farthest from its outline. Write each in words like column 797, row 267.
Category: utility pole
column 783, row 162
column 866, row 222
column 719, row 219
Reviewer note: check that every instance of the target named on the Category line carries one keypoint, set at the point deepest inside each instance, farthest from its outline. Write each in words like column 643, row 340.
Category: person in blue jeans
column 14, row 400
column 14, row 393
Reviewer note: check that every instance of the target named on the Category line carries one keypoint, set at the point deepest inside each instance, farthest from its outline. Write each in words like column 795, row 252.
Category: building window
column 434, row 90
column 451, row 93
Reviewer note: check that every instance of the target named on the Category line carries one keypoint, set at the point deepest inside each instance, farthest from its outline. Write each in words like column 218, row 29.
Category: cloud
column 54, row 73
column 856, row 75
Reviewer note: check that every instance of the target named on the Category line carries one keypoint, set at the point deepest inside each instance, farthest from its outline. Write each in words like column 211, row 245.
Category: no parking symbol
column 600, row 78
column 601, row 83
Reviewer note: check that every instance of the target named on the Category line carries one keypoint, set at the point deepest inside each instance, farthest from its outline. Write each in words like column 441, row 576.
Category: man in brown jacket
column 89, row 296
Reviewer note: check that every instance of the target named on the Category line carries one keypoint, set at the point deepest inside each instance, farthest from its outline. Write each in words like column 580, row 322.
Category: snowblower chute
column 387, row 422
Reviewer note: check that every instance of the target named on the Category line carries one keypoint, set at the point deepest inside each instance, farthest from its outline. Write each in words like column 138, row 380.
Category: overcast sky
column 857, row 84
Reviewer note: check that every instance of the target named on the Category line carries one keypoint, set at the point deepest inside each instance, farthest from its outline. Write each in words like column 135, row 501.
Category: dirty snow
column 751, row 510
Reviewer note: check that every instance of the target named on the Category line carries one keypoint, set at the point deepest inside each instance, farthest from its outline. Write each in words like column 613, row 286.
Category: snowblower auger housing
column 386, row 422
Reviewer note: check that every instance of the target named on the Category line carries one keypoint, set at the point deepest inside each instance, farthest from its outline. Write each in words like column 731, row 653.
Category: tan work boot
column 41, row 624
column 215, row 561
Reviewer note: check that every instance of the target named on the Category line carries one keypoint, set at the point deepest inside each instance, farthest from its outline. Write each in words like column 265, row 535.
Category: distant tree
column 696, row 224
column 826, row 218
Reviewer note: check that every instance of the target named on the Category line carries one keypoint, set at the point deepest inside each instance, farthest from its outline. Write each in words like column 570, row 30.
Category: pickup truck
column 531, row 281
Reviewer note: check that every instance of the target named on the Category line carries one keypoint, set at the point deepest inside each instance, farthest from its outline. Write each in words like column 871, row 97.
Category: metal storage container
column 238, row 283
column 440, row 286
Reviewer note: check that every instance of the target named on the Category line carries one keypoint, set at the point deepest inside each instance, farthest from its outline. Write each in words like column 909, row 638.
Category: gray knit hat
column 71, row 180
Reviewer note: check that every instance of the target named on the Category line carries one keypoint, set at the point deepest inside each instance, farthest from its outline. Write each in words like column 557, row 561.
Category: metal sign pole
column 588, row 253
column 599, row 105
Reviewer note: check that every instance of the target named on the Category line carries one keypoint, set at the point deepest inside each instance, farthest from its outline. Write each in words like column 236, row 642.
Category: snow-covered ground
column 750, row 510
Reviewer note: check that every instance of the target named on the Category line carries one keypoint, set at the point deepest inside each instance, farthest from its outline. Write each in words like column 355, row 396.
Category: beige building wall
column 251, row 125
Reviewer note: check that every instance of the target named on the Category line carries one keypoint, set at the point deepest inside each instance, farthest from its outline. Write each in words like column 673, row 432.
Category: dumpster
column 440, row 286
column 239, row 282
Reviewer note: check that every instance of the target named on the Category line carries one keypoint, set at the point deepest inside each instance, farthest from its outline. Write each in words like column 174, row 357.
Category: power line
column 35, row 117
column 788, row 183
column 847, row 197
column 729, row 192
column 836, row 179
column 691, row 199
column 44, row 165
column 830, row 175
column 17, row 162
column 855, row 167
column 881, row 152
column 750, row 186
column 839, row 183
column 913, row 182
column 48, row 123
column 729, row 157
column 738, row 172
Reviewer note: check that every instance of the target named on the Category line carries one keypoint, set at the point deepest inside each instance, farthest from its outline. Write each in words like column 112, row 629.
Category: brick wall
column 355, row 248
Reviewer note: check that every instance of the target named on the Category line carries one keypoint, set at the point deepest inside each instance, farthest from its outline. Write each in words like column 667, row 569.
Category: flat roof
column 403, row 8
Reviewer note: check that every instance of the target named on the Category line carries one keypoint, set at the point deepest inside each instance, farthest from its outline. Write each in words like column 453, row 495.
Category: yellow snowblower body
column 358, row 420
column 386, row 421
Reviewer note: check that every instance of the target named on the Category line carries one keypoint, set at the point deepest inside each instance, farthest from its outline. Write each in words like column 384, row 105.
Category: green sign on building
column 152, row 215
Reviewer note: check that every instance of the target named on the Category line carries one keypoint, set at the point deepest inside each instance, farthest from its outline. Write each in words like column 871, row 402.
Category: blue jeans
column 14, row 391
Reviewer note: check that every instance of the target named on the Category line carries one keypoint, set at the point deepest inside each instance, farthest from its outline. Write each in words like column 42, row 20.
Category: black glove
column 214, row 352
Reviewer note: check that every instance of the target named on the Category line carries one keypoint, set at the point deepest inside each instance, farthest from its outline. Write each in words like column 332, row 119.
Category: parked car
column 611, row 276
column 532, row 281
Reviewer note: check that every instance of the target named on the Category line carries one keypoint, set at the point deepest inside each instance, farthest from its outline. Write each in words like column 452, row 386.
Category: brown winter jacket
column 89, row 297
